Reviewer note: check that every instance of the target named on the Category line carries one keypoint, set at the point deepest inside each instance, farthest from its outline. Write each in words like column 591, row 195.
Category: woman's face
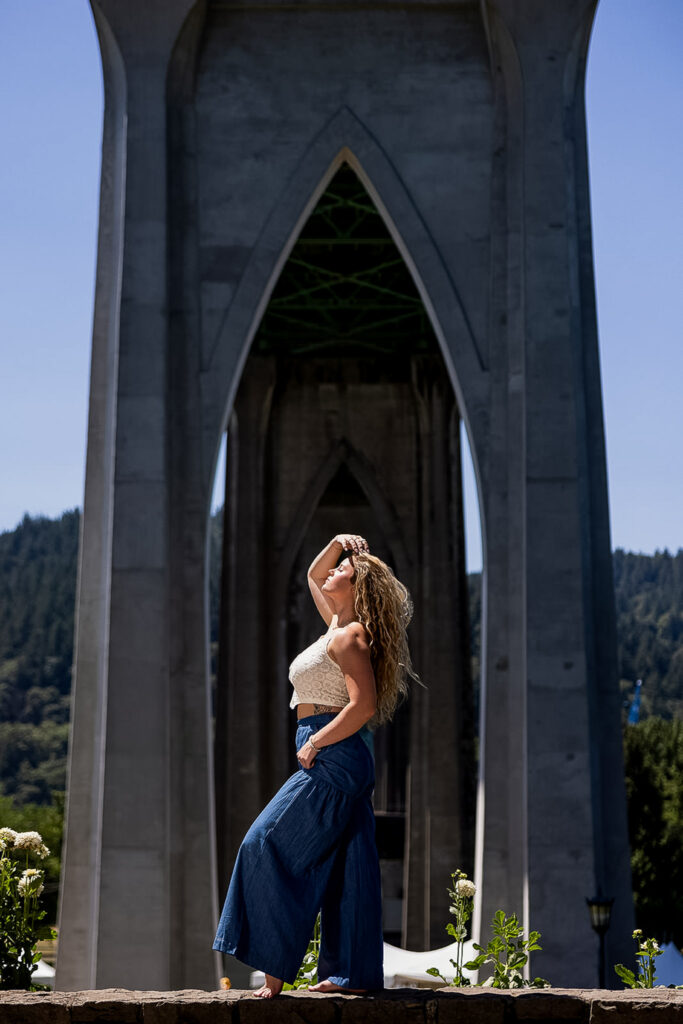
column 338, row 582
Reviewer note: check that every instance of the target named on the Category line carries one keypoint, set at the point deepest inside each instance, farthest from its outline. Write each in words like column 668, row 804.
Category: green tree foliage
column 37, row 594
column 649, row 598
column 653, row 755
column 474, row 597
column 649, row 602
column 215, row 569
column 48, row 821
column 37, row 591
column 32, row 760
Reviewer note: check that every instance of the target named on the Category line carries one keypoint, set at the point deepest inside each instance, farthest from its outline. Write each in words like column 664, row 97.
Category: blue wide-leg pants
column 312, row 849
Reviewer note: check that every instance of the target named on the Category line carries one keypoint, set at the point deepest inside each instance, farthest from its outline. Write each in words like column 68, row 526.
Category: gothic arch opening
column 346, row 419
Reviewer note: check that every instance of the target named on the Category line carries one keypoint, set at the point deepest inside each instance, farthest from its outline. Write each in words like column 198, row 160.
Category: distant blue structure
column 634, row 710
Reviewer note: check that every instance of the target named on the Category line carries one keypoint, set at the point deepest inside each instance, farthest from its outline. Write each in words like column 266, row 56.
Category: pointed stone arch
column 343, row 453
column 290, row 432
column 349, row 140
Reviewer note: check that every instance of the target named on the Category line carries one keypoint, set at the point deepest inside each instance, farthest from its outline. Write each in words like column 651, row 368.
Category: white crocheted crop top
column 316, row 678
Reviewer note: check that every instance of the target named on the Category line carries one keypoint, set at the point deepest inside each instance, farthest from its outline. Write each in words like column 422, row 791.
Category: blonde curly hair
column 384, row 608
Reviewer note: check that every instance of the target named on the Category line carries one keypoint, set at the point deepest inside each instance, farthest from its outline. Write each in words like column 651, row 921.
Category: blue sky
column 51, row 116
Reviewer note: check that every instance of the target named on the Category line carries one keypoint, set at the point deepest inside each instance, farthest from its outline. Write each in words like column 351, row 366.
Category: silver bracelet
column 317, row 749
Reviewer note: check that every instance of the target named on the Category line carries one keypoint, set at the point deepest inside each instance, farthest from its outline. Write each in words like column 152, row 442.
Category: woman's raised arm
column 324, row 562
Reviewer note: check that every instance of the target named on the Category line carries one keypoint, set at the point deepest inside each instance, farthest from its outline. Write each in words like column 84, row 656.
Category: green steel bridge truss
column 345, row 289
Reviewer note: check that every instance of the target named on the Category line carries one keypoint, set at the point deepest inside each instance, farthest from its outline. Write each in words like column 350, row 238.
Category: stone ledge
column 407, row 1006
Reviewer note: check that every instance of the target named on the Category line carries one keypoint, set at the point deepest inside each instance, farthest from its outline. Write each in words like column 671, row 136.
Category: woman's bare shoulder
column 353, row 636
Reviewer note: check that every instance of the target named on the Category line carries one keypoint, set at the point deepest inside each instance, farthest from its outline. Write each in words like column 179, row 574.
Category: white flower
column 7, row 838
column 465, row 888
column 29, row 841
column 43, row 852
column 31, row 882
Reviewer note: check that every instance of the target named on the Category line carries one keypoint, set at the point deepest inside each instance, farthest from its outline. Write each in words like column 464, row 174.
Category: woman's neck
column 345, row 614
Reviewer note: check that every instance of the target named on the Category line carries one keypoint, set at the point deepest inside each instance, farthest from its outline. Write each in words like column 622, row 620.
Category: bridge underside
column 340, row 359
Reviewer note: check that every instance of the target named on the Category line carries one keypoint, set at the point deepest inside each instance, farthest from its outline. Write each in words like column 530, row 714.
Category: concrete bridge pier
column 224, row 124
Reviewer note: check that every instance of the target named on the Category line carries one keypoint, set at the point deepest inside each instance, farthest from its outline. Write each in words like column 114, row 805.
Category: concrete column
column 501, row 870
column 244, row 698
column 126, row 938
column 441, row 812
column 554, row 750
column 79, row 890
column 194, row 908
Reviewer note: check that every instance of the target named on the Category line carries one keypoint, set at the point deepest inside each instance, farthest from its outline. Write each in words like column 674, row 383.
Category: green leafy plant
column 462, row 901
column 308, row 972
column 20, row 912
column 644, row 976
column 508, row 953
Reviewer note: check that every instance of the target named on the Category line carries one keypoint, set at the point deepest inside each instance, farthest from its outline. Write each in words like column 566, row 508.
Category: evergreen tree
column 653, row 756
column 649, row 600
column 37, row 594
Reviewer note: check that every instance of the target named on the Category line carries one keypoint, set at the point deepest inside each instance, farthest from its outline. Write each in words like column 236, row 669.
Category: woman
column 313, row 847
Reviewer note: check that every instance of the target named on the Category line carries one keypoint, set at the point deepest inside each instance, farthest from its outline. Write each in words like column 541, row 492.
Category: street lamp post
column 600, row 909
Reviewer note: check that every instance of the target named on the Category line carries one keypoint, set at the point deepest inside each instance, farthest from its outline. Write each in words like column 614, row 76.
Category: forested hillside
column 649, row 600
column 649, row 597
column 37, row 592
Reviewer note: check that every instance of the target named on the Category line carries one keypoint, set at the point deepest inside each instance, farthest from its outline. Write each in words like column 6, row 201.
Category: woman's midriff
column 304, row 710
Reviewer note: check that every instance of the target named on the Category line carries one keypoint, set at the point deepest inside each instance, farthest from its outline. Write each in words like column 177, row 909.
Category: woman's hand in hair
column 352, row 542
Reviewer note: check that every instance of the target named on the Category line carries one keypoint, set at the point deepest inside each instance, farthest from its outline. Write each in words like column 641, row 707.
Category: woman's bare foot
column 329, row 986
column 272, row 987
